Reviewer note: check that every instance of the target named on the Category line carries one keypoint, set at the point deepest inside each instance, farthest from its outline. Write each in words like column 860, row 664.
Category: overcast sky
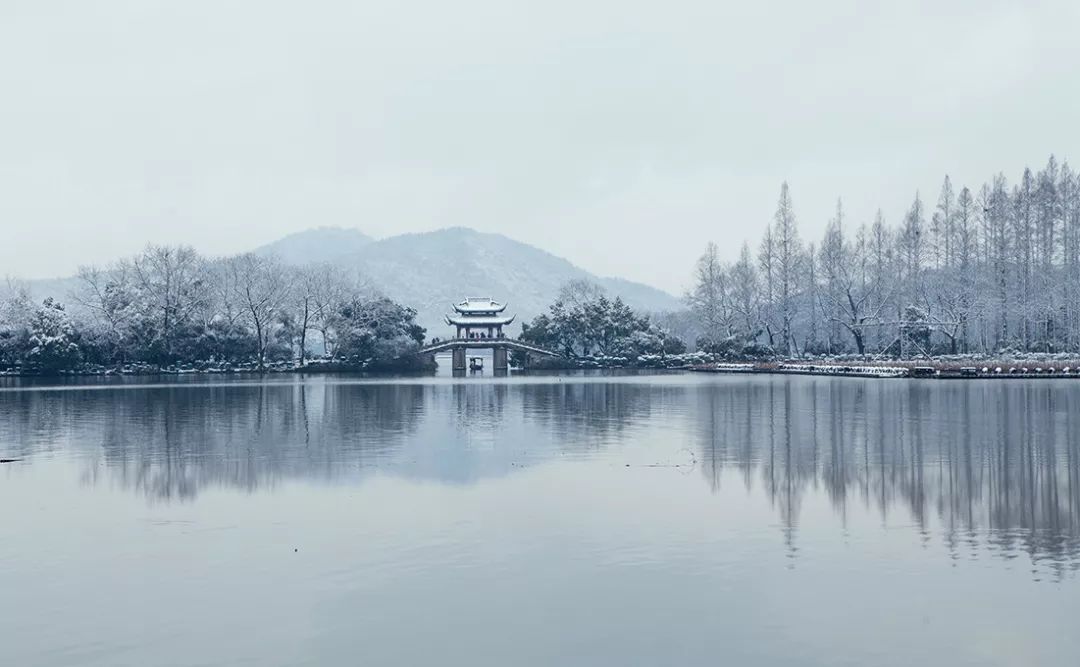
column 621, row 135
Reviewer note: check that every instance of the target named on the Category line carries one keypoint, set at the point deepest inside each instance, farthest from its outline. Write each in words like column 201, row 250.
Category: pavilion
column 479, row 317
column 479, row 324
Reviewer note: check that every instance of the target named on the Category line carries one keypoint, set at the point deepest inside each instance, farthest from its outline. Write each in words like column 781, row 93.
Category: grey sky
column 621, row 135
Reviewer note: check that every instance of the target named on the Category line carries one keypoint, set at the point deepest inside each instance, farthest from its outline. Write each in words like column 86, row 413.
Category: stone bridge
column 500, row 348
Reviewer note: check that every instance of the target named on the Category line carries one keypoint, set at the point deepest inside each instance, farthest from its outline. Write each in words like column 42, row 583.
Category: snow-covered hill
column 432, row 270
column 322, row 244
column 429, row 271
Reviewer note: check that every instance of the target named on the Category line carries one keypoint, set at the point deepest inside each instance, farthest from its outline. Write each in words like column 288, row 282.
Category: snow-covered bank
column 404, row 365
column 805, row 369
column 930, row 370
column 666, row 361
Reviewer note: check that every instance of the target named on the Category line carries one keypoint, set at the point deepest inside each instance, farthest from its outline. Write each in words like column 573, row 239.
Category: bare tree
column 767, row 265
column 330, row 289
column 108, row 298
column 306, row 299
column 832, row 257
column 746, row 292
column 171, row 282
column 854, row 301
column 262, row 288
column 578, row 292
column 788, row 263
column 1069, row 216
column 943, row 226
column 882, row 259
column 708, row 298
column 1023, row 219
column 912, row 248
column 965, row 249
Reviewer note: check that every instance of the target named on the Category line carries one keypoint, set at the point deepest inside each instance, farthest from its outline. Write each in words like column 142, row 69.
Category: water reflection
column 994, row 461
column 981, row 463
column 170, row 442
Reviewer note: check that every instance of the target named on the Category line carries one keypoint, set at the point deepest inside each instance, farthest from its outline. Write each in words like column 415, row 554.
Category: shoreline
column 996, row 370
column 985, row 370
column 147, row 370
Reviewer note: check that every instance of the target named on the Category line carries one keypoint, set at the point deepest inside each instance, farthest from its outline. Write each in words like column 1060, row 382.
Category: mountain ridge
column 431, row 270
column 318, row 244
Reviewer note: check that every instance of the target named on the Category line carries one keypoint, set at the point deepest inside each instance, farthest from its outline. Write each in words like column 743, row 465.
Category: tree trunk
column 303, row 334
column 261, row 351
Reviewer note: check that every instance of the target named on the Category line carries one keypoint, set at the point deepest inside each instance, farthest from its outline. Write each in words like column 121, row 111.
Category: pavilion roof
column 479, row 304
column 479, row 320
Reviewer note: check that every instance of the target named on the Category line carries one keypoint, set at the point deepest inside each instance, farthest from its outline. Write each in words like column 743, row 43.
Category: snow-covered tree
column 262, row 288
column 986, row 270
column 709, row 297
column 833, row 262
column 170, row 286
column 111, row 309
column 377, row 330
column 592, row 324
column 788, row 262
column 53, row 343
column 912, row 250
column 767, row 266
column 16, row 311
column 746, row 293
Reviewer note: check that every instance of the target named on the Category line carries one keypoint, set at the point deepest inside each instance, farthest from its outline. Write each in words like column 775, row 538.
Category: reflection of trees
column 592, row 414
column 979, row 462
column 1000, row 459
column 173, row 441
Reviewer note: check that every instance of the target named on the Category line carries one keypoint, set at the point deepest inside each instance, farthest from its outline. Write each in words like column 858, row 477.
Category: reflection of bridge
column 500, row 348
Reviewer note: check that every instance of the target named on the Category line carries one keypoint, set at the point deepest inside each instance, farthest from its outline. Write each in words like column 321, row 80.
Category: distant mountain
column 322, row 244
column 429, row 271
column 432, row 270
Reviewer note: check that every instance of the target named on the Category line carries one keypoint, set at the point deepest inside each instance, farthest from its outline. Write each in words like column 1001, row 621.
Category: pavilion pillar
column 500, row 361
column 459, row 359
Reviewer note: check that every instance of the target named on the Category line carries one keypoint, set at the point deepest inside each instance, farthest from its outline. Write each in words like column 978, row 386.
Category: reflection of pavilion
column 478, row 324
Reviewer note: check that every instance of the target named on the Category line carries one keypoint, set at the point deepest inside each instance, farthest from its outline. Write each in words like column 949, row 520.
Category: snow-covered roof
column 479, row 320
column 479, row 304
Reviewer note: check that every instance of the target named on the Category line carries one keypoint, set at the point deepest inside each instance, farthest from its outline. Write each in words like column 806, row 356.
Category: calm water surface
column 664, row 520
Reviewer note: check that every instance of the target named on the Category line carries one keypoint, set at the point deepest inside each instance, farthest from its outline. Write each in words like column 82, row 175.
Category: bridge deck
column 485, row 344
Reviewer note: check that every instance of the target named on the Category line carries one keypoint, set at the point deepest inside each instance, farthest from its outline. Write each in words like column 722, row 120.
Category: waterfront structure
column 480, row 323
column 479, row 317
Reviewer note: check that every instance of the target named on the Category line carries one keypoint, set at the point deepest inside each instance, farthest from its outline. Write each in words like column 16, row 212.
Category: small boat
column 476, row 364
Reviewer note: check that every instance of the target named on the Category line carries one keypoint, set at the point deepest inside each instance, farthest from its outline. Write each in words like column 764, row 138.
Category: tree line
column 169, row 306
column 991, row 270
column 585, row 322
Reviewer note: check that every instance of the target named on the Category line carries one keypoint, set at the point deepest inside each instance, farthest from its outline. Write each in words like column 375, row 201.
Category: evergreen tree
column 53, row 343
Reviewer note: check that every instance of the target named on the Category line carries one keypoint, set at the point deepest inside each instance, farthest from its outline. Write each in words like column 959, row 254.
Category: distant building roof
column 479, row 304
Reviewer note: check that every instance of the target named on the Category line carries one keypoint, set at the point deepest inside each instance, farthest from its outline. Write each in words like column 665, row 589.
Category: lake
column 674, row 519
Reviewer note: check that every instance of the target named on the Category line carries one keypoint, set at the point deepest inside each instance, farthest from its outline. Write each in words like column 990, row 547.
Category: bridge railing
column 512, row 343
